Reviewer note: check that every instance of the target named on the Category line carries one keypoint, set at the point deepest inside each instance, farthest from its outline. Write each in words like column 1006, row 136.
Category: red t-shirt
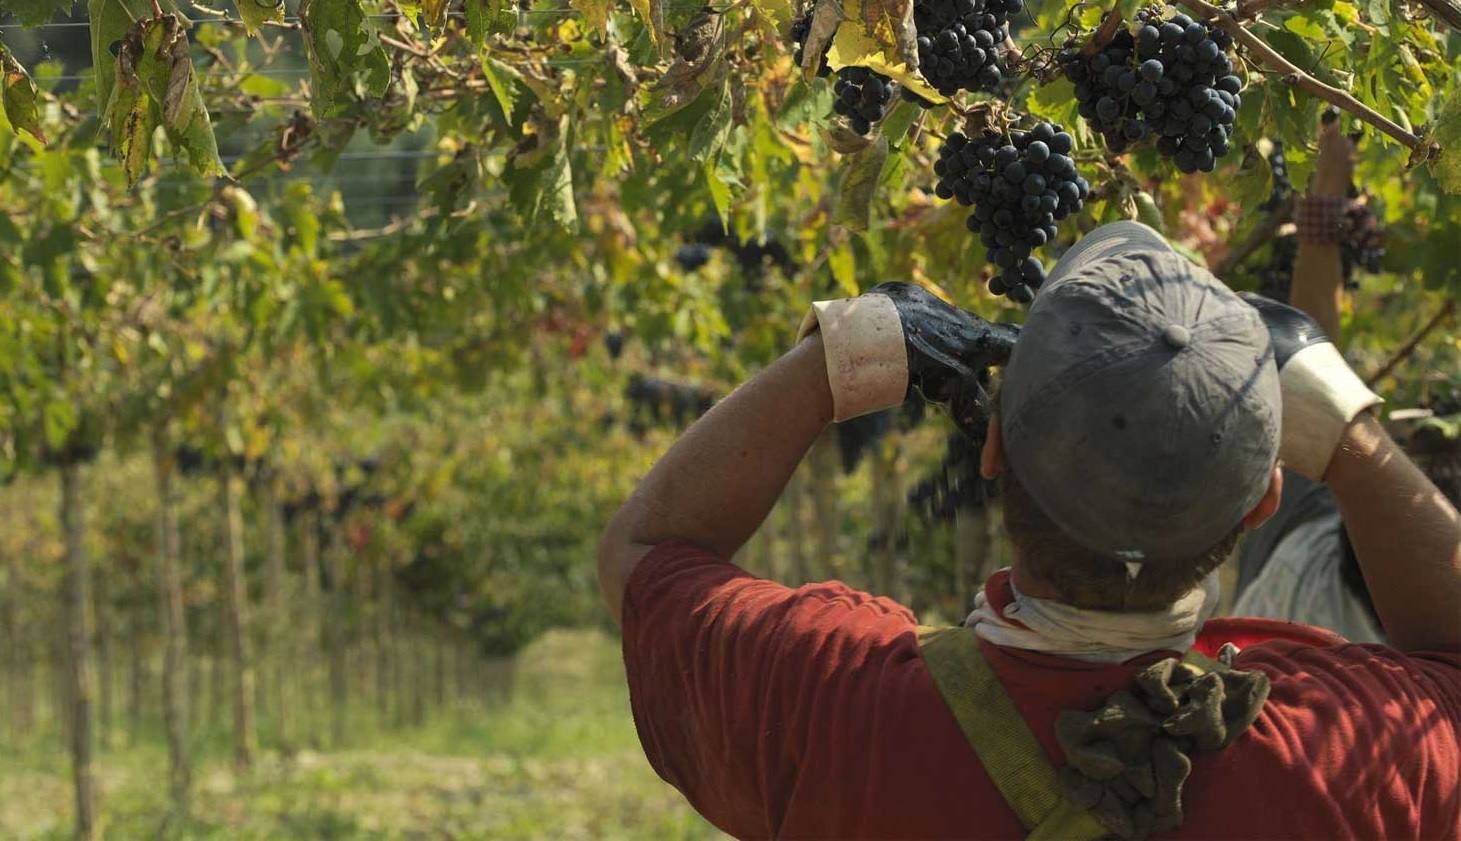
column 809, row 713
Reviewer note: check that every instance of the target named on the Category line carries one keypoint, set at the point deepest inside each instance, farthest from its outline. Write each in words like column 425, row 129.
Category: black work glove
column 1321, row 394
column 899, row 336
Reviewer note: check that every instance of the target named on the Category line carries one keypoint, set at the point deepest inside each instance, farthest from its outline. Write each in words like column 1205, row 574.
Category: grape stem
column 1293, row 75
column 1409, row 347
column 1109, row 27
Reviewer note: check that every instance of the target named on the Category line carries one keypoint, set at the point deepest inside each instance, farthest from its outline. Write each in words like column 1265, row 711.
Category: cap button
column 1177, row 336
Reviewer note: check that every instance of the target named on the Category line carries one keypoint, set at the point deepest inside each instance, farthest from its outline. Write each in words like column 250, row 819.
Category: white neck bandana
column 1094, row 636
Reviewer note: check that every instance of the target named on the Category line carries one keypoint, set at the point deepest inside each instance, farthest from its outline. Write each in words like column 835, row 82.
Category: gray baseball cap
column 1140, row 407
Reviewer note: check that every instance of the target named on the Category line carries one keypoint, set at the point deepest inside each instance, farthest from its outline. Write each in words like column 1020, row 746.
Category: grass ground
column 558, row 759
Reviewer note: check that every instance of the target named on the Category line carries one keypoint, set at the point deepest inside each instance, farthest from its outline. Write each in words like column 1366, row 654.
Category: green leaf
column 720, row 183
column 58, row 418
column 504, row 91
column 1447, row 167
column 156, row 86
column 18, row 95
column 595, row 13
column 110, row 22
column 1302, row 26
column 488, row 17
column 714, row 127
column 255, row 13
column 863, row 173
column 539, row 177
column 343, row 50
column 33, row 13
column 843, row 265
column 652, row 12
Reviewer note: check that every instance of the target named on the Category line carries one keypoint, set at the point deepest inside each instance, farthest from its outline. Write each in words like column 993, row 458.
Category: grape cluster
column 1171, row 81
column 801, row 28
column 961, row 43
column 751, row 255
column 862, row 97
column 955, row 485
column 1363, row 248
column 1019, row 185
column 1282, row 187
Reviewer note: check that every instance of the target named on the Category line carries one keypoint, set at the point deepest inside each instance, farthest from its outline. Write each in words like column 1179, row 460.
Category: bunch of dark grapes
column 863, row 96
column 1020, row 185
column 692, row 255
column 955, row 485
column 1363, row 248
column 961, row 43
column 1364, row 239
column 1171, row 80
column 801, row 28
column 1282, row 187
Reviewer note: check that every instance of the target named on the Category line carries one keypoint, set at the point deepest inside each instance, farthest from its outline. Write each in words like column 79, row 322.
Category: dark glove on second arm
column 949, row 349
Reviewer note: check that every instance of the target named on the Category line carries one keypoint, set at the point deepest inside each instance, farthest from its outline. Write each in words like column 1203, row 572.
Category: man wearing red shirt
column 1140, row 412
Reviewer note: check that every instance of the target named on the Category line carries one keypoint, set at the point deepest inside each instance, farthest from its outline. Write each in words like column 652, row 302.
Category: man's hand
column 898, row 337
column 1321, row 395
column 1334, row 168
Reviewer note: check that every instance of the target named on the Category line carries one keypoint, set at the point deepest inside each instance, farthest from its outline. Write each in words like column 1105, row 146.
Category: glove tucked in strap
column 867, row 361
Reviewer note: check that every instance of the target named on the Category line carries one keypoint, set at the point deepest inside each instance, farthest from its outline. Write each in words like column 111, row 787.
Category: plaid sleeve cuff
column 1320, row 219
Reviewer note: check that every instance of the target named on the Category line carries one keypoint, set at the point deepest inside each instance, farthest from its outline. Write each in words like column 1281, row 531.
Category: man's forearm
column 721, row 478
column 1318, row 285
column 1407, row 537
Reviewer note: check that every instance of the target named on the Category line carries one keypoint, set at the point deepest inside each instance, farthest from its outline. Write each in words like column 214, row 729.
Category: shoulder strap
column 1006, row 747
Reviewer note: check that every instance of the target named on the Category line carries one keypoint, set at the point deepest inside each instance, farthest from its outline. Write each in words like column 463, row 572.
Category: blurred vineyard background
column 301, row 469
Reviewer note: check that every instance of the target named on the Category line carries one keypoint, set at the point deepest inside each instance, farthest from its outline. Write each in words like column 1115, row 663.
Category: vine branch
column 1295, row 76
column 1409, row 347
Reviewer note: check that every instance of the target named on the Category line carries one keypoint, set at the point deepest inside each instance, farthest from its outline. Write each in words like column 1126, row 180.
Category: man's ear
column 1268, row 504
column 991, row 458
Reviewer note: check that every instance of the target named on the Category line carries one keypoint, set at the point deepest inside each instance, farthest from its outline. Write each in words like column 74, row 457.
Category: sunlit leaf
column 255, row 13
column 32, row 13
column 18, row 96
column 863, row 172
column 1447, row 168
column 156, row 86
column 344, row 49
column 596, row 14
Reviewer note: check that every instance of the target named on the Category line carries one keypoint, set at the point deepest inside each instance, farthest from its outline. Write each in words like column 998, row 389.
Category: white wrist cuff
column 1321, row 397
column 867, row 362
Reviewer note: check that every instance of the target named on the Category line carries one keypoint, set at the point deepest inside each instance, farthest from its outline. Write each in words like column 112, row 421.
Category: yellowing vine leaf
column 18, row 96
column 864, row 170
column 878, row 35
column 255, row 13
column 596, row 14
column 344, row 51
column 652, row 12
column 110, row 22
column 156, row 86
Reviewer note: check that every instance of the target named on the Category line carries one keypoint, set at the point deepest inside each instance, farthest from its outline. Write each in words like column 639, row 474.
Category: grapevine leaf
column 155, row 87
column 896, row 123
column 110, row 21
column 879, row 35
column 488, row 17
column 505, row 92
column 33, row 13
column 1447, row 166
column 596, row 14
column 776, row 12
column 1056, row 102
column 538, row 175
column 18, row 96
column 843, row 265
column 699, row 55
column 433, row 12
column 652, row 12
column 255, row 13
column 343, row 50
column 721, row 195
column 1304, row 27
column 714, row 128
column 863, row 172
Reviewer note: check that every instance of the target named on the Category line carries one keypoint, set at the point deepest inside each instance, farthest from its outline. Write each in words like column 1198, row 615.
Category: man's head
column 1138, row 421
